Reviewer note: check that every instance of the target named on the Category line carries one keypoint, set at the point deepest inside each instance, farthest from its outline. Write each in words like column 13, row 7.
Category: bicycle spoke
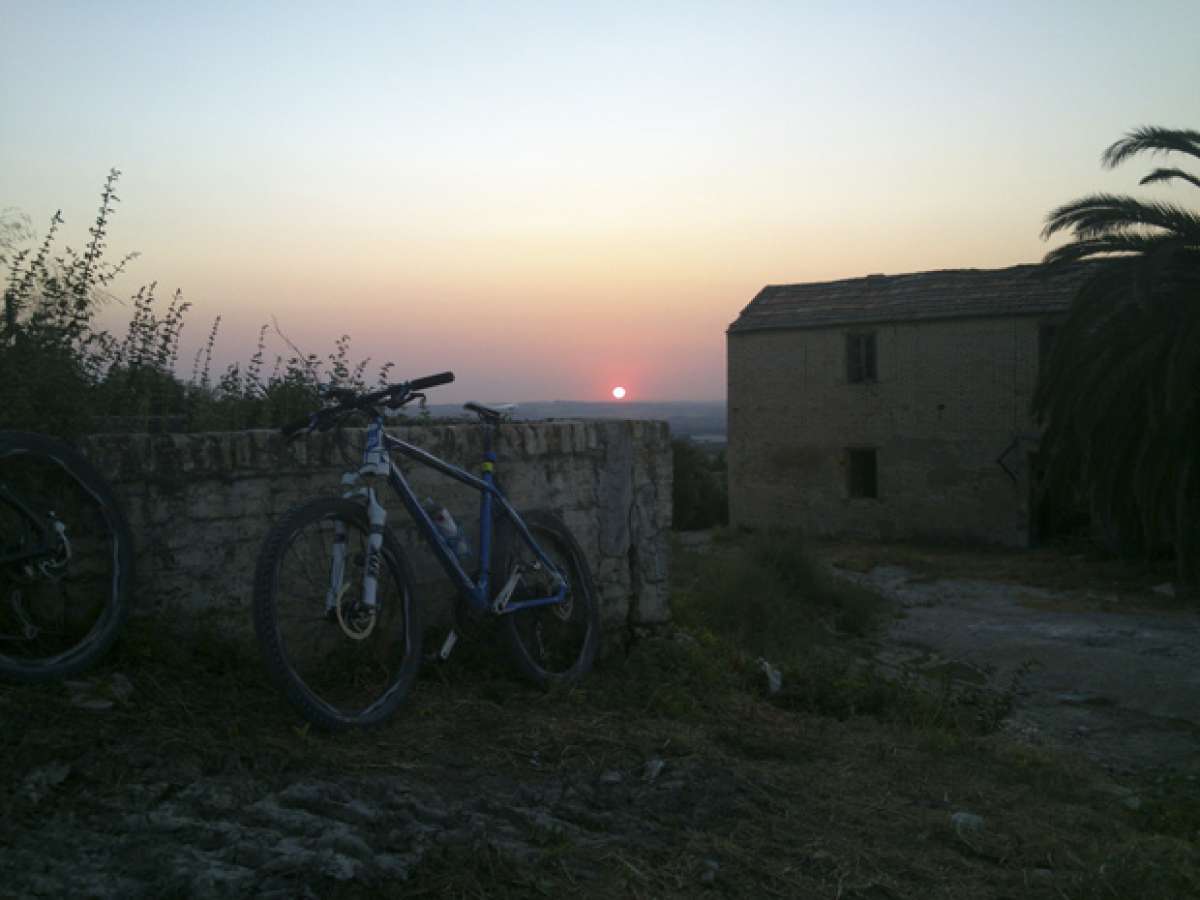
column 552, row 643
column 71, row 581
column 335, row 668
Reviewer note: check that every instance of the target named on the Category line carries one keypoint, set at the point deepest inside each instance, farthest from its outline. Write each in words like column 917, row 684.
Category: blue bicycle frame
column 478, row 593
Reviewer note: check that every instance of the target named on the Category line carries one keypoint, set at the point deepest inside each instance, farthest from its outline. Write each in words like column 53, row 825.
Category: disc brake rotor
column 356, row 620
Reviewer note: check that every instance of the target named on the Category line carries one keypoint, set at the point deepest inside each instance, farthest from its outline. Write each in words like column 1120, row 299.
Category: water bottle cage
column 448, row 530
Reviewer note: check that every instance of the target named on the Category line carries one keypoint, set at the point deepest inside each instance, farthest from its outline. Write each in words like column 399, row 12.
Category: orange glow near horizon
column 551, row 238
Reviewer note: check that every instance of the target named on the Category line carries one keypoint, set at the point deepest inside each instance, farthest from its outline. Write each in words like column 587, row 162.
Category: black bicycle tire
column 545, row 525
column 104, row 631
column 270, row 640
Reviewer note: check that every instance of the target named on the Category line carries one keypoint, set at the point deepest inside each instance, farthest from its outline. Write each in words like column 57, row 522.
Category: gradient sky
column 551, row 199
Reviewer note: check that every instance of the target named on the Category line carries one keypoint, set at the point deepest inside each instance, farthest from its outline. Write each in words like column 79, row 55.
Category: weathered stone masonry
column 950, row 398
column 200, row 504
column 924, row 380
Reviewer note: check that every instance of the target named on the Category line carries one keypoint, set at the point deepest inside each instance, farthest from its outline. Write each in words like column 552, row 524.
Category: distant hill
column 684, row 419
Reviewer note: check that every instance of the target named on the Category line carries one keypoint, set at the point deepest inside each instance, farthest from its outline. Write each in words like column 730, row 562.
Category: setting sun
column 618, row 392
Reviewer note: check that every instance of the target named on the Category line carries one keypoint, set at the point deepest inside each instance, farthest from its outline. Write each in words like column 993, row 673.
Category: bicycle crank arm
column 448, row 645
column 506, row 592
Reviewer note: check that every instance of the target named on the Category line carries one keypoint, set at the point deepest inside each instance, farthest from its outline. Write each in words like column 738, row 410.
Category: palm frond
column 1120, row 398
column 1182, row 369
column 1187, row 513
column 1152, row 139
column 1099, row 214
column 1169, row 174
column 1115, row 244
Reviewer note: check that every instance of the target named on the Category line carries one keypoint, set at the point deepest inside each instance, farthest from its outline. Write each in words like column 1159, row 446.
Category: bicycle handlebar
column 419, row 384
column 397, row 394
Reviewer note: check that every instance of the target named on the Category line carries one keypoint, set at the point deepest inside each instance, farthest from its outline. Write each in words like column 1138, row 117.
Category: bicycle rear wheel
column 554, row 644
column 339, row 663
column 66, row 560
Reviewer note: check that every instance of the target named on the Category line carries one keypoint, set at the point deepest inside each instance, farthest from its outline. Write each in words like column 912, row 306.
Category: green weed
column 763, row 595
column 61, row 373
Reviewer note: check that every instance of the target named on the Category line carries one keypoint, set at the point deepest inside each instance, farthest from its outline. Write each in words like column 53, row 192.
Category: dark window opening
column 860, row 357
column 862, row 473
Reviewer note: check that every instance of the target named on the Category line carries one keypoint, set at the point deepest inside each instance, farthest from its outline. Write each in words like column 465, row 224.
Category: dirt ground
column 175, row 770
column 1097, row 668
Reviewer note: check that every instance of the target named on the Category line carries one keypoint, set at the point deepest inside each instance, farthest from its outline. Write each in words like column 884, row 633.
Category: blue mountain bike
column 334, row 606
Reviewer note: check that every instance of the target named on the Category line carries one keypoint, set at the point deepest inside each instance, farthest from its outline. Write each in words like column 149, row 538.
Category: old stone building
column 893, row 406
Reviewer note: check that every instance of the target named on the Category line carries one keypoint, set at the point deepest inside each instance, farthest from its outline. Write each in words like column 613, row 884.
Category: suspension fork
column 377, row 518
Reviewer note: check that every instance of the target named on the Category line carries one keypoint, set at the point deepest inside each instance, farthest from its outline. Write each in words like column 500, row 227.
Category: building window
column 861, row 472
column 860, row 357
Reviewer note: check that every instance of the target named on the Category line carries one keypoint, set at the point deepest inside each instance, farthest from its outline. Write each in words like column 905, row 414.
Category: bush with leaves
column 61, row 374
column 698, row 493
column 50, row 354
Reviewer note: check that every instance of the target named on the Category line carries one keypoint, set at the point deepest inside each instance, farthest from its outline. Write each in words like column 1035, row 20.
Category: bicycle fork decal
column 377, row 516
column 356, row 614
column 375, row 458
column 337, row 569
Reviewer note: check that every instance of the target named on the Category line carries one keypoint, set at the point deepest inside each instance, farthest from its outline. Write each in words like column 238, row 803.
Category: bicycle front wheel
column 554, row 644
column 66, row 560
column 340, row 662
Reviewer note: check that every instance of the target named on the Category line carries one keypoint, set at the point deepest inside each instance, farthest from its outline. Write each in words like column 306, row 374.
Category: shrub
column 761, row 594
column 698, row 493
column 61, row 374
column 766, row 595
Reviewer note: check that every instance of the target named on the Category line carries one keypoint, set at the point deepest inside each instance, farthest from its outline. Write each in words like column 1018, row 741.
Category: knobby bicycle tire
column 60, row 611
column 551, row 645
column 333, row 678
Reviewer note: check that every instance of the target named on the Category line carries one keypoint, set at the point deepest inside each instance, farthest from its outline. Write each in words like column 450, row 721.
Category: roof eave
column 738, row 327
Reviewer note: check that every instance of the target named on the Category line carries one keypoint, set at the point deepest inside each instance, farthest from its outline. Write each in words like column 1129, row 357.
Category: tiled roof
column 946, row 294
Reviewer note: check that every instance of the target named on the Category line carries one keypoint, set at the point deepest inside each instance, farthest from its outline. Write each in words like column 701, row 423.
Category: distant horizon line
column 625, row 402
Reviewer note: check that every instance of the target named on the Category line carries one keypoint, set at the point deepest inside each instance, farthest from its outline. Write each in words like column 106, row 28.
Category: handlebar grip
column 299, row 425
column 429, row 381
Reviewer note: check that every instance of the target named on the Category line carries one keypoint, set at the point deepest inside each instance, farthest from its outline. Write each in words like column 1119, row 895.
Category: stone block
column 201, row 504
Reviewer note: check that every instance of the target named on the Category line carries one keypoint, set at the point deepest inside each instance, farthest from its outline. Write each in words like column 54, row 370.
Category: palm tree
column 1121, row 398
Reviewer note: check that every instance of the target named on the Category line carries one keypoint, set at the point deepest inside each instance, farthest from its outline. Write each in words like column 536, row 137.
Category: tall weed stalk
column 62, row 374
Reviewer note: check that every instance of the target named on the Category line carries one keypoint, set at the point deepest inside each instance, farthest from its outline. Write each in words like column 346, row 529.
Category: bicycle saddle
column 490, row 413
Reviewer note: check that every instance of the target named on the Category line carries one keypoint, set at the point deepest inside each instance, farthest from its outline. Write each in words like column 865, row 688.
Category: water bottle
column 449, row 528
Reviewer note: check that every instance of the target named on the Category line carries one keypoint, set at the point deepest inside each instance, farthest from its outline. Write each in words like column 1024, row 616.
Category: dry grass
column 784, row 797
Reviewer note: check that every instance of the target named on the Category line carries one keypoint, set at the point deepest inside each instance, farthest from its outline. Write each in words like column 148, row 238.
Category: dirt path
column 1123, row 689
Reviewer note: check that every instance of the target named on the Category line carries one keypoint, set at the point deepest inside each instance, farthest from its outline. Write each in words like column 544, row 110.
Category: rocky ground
column 233, row 835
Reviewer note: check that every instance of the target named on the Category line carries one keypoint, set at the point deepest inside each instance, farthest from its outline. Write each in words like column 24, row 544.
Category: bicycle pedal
column 448, row 645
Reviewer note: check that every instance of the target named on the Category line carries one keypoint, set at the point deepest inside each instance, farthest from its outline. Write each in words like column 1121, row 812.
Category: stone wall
column 200, row 505
column 952, row 397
